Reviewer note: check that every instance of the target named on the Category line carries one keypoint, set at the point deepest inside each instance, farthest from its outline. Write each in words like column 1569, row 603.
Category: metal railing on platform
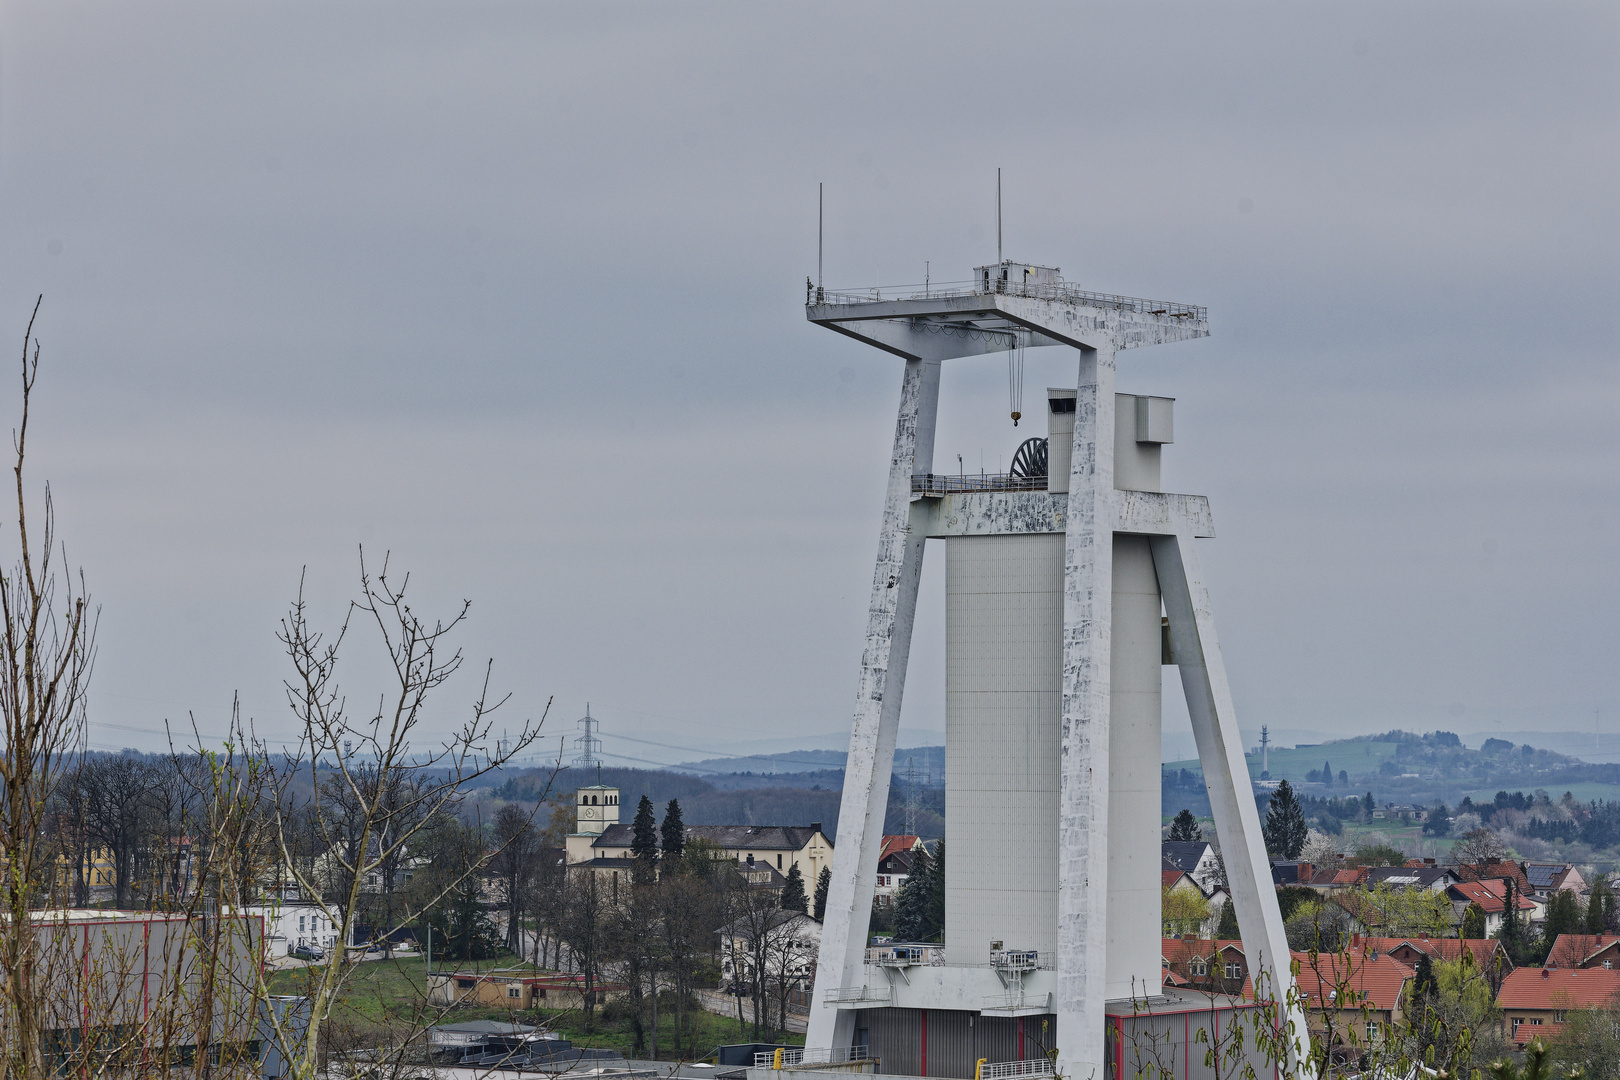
column 1061, row 292
column 936, row 484
column 906, row 955
column 1021, row 960
column 798, row 1056
column 841, row 995
column 1007, row 1070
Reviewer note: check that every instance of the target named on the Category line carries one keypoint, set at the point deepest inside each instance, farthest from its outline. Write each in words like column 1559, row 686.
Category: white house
column 289, row 923
column 791, row 943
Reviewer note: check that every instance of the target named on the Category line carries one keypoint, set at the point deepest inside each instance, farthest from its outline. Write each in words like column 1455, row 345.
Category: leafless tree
column 378, row 777
column 47, row 649
column 514, row 866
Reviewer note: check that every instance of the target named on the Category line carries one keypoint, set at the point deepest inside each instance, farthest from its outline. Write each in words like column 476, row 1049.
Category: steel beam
column 877, row 713
column 1088, row 568
column 1196, row 651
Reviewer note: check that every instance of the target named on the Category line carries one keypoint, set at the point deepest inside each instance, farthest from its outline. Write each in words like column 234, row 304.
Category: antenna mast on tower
column 1265, row 745
column 911, row 796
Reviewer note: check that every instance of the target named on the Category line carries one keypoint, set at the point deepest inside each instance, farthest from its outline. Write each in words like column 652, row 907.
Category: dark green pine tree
column 911, row 906
column 823, row 883
column 793, row 898
column 1185, row 827
column 1285, row 829
column 1367, row 805
column 672, row 831
column 1508, row 933
column 936, row 894
column 1327, row 774
column 644, row 841
column 1596, row 907
column 1564, row 916
column 1424, row 986
column 1473, row 923
column 1227, row 928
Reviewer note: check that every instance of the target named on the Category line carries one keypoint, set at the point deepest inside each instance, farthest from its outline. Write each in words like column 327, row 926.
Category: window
column 1234, row 971
column 1560, row 1016
column 1372, row 1031
column 540, row 992
column 514, row 991
column 464, row 984
column 300, row 924
column 1198, row 967
column 779, row 862
column 1607, row 964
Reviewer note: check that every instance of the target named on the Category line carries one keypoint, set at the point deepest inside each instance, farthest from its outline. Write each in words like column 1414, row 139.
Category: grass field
column 383, row 993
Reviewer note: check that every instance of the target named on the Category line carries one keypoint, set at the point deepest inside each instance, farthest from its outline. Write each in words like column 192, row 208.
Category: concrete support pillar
column 1196, row 651
column 1083, row 801
column 877, row 712
column 1134, row 804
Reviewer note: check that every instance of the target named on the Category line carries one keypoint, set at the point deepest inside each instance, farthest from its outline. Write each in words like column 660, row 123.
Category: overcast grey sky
column 515, row 291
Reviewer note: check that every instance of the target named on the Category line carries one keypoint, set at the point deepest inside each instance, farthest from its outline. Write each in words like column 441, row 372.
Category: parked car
column 306, row 952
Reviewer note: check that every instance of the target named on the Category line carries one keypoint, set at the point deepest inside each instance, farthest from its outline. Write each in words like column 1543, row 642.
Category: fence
column 935, row 484
column 1006, row 1070
column 1060, row 291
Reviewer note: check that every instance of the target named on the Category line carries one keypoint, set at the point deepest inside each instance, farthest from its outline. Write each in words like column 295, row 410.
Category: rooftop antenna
column 821, row 228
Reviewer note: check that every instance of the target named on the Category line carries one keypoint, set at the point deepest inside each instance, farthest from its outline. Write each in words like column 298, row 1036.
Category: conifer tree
column 1473, row 923
column 672, row 831
column 1327, row 774
column 1285, row 829
column 1227, row 929
column 911, row 906
column 936, row 894
column 644, row 841
column 1596, row 907
column 823, row 885
column 1185, row 827
column 793, row 898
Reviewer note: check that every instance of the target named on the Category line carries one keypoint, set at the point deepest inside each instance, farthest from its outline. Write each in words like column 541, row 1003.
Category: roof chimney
column 1545, row 974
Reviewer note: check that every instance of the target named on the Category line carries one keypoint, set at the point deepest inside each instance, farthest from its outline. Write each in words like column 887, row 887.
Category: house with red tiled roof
column 1548, row 878
column 1585, row 951
column 1178, row 879
column 1216, row 965
column 1504, row 868
column 1351, row 999
column 1535, row 1002
column 1491, row 896
column 894, row 865
column 1487, row 955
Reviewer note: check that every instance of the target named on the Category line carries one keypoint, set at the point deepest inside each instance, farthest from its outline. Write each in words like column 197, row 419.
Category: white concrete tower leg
column 877, row 713
column 1088, row 568
column 1195, row 649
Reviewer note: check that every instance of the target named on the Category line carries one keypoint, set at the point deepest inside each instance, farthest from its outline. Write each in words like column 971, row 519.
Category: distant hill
column 727, row 799
column 1403, row 766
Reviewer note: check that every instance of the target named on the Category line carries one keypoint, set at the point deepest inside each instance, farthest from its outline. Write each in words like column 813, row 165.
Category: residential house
column 1487, row 954
column 1585, row 951
column 1535, row 1002
column 1291, row 872
column 1196, row 857
column 1434, row 879
column 1491, row 896
column 790, row 942
column 289, row 924
column 1548, row 878
column 1352, row 999
column 1215, row 966
column 1504, row 869
column 894, row 866
column 1330, row 880
column 780, row 846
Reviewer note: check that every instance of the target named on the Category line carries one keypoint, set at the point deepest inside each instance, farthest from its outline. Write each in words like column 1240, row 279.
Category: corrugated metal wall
column 955, row 1041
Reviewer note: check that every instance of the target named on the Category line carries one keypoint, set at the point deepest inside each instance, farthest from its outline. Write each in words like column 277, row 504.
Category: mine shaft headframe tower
column 1009, row 305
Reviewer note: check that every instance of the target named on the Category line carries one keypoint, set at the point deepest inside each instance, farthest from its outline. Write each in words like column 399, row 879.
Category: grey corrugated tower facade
column 1057, row 588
